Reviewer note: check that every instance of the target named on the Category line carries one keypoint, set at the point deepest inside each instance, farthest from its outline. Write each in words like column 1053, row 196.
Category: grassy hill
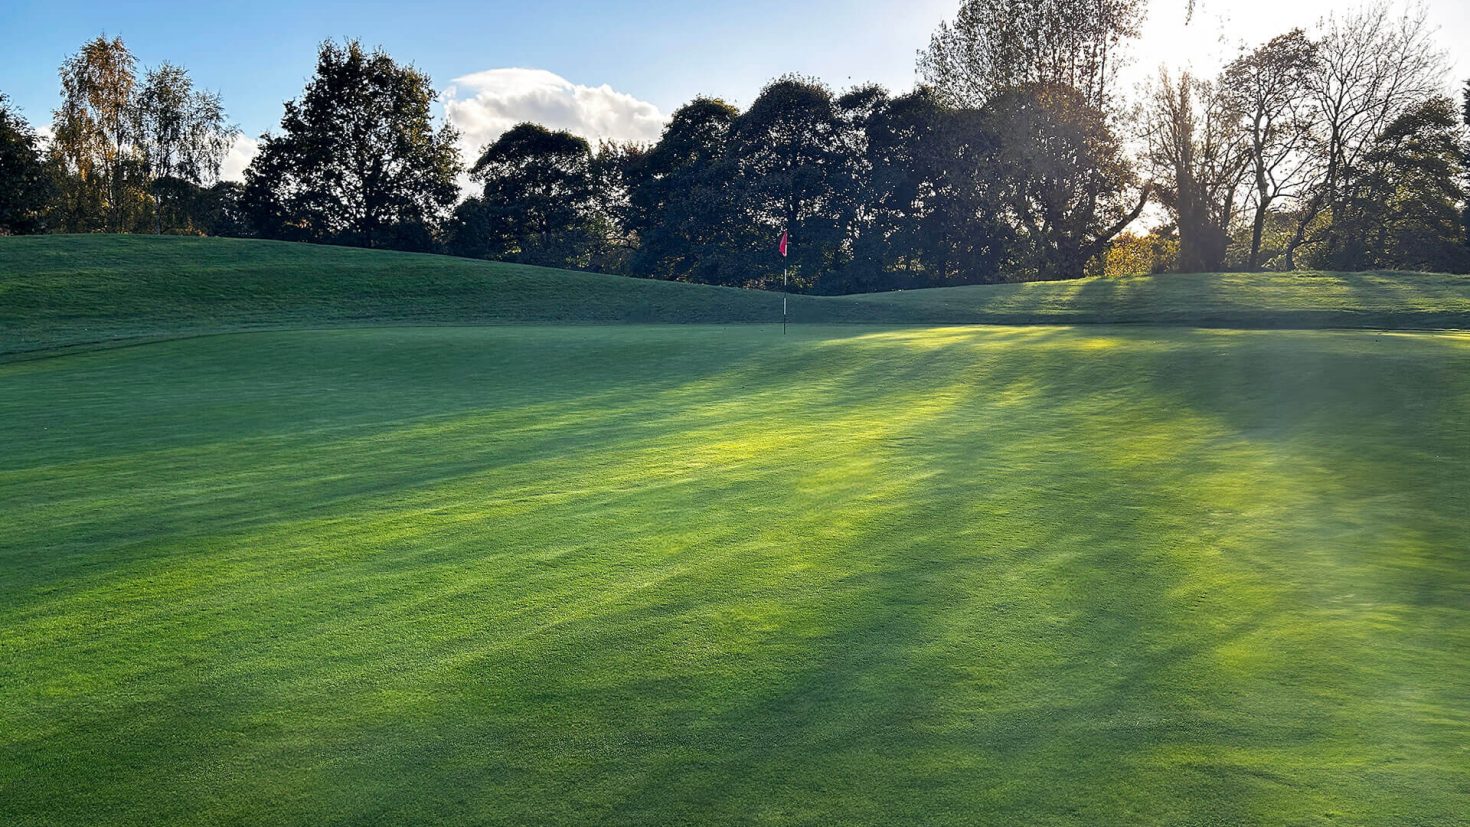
column 61, row 291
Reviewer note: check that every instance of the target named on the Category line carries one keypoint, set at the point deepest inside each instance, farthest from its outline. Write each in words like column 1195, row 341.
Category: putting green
column 711, row 574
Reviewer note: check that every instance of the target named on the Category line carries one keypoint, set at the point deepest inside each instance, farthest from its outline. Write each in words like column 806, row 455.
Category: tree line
column 1018, row 157
column 129, row 151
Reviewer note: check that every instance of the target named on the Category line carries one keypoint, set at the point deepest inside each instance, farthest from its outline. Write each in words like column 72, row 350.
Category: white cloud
column 239, row 157
column 485, row 105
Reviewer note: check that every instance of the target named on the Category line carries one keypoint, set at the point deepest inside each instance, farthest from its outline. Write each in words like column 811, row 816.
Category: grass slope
column 659, row 574
column 66, row 291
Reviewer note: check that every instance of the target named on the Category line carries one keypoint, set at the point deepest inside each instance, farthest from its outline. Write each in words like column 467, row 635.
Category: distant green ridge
column 61, row 292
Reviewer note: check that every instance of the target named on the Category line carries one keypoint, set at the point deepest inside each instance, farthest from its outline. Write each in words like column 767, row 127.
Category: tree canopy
column 1017, row 158
column 26, row 183
column 358, row 160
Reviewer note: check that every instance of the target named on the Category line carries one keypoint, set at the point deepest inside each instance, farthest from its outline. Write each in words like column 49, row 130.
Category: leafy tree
column 537, row 202
column 965, row 223
column 186, row 207
column 471, row 233
column 1063, row 179
column 795, row 170
column 995, row 45
column 1268, row 87
column 927, row 212
column 183, row 137
column 181, row 131
column 1199, row 151
column 612, row 239
column 26, row 184
column 881, row 234
column 127, row 151
column 217, row 210
column 683, row 202
column 104, row 187
column 1466, row 113
column 1141, row 255
column 1404, row 205
column 358, row 160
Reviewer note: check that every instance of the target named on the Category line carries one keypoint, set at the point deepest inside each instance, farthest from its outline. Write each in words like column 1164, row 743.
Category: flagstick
column 785, row 277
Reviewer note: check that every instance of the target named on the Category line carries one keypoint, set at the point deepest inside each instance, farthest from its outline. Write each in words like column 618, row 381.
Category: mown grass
column 60, row 292
column 660, row 574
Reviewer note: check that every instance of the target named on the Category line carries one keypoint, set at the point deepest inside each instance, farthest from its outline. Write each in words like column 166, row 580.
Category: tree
column 126, row 151
column 994, row 45
column 26, row 184
column 927, row 211
column 217, row 210
column 612, row 240
column 1268, row 87
column 182, row 136
column 1404, row 204
column 1372, row 67
column 358, row 160
column 182, row 132
column 1465, row 111
column 683, row 206
column 795, row 169
column 538, row 199
column 1141, row 255
column 91, row 138
column 1196, row 146
column 1064, row 180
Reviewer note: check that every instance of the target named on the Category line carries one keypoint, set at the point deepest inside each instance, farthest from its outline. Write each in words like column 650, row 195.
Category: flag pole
column 785, row 276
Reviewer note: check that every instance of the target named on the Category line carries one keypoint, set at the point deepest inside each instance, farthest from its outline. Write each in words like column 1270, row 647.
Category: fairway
column 711, row 574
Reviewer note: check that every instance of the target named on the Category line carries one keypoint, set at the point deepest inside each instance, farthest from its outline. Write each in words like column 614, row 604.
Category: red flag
column 785, row 241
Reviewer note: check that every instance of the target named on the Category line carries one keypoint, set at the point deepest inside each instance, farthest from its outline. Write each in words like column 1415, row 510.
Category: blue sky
column 259, row 54
column 613, row 68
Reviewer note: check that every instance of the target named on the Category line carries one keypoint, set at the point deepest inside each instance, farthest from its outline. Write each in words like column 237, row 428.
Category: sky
column 601, row 68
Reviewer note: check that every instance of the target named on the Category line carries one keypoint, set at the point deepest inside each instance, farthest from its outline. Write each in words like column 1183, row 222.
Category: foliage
column 1131, row 254
column 26, row 181
column 537, row 202
column 681, row 199
column 1403, row 207
column 104, row 187
column 1009, row 164
column 181, row 131
column 928, row 212
column 187, row 208
column 127, row 152
column 1064, row 179
column 995, row 45
column 1466, row 162
column 358, row 160
column 1373, row 65
column 796, row 169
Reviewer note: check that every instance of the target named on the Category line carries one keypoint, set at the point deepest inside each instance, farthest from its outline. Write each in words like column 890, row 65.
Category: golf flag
column 785, row 241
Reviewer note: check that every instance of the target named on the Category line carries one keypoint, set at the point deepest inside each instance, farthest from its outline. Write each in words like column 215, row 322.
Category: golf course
column 299, row 535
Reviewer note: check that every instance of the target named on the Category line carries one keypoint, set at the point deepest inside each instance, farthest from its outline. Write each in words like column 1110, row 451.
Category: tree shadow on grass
column 922, row 577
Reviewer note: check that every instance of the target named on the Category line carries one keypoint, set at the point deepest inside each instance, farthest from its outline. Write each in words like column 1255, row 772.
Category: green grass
column 706, row 574
column 69, row 292
column 382, row 558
